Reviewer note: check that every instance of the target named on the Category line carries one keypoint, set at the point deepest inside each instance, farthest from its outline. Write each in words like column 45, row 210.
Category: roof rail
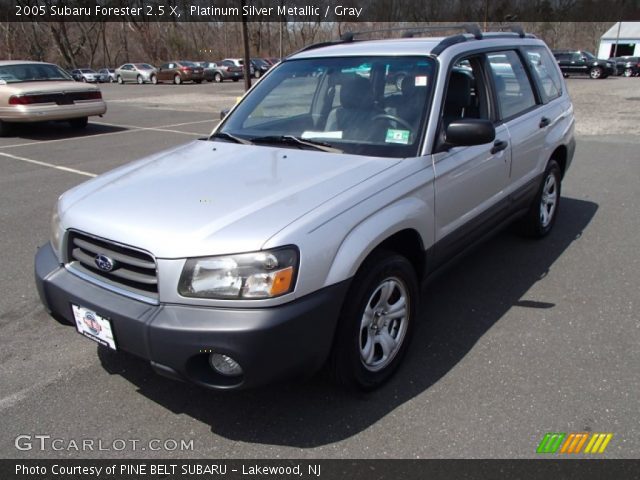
column 512, row 27
column 472, row 28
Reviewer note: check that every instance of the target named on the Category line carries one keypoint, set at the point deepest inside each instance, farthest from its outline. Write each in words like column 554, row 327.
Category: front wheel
column 542, row 214
column 120, row 81
column 595, row 72
column 217, row 78
column 628, row 72
column 139, row 80
column 154, row 79
column 376, row 322
column 177, row 79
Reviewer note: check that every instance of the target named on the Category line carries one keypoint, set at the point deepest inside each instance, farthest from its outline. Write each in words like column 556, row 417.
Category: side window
column 511, row 82
column 466, row 95
column 545, row 72
column 576, row 57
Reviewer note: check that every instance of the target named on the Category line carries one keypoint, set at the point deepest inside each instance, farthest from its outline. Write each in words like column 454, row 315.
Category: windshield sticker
column 397, row 136
column 310, row 134
column 421, row 81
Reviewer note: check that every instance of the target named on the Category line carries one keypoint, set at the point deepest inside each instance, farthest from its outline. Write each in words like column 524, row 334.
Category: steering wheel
column 393, row 118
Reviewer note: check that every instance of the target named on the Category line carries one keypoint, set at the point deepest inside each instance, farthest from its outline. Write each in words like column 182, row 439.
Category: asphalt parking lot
column 518, row 339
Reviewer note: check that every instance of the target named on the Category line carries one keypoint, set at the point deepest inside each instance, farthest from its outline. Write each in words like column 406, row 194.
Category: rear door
column 524, row 114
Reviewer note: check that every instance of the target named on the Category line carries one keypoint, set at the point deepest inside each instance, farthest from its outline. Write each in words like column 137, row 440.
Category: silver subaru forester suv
column 297, row 234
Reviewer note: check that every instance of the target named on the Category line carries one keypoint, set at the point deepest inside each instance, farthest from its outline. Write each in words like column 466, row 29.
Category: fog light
column 225, row 365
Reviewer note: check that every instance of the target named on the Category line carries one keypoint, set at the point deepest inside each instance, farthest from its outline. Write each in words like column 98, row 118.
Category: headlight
column 256, row 275
column 56, row 234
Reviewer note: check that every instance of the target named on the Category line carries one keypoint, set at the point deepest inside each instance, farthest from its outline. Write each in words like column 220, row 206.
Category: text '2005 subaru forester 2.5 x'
column 296, row 235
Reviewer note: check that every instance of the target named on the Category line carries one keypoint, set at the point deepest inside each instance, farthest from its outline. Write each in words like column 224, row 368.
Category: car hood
column 47, row 87
column 207, row 198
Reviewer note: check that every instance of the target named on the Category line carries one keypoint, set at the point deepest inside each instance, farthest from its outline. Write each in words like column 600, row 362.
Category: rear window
column 32, row 72
column 515, row 94
column 544, row 72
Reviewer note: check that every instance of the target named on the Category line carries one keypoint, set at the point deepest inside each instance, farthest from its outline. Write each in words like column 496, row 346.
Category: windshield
column 144, row 66
column 589, row 55
column 189, row 64
column 362, row 105
column 32, row 72
column 87, row 70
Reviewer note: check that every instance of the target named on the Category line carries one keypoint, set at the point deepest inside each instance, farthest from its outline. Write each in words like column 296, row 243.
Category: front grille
column 132, row 270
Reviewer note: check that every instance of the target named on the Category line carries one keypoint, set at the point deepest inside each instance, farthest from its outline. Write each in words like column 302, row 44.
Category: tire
column 177, row 79
column 369, row 345
column 5, row 128
column 139, row 80
column 84, row 80
column 154, row 79
column 218, row 78
column 79, row 123
column 110, row 79
column 543, row 212
column 257, row 74
column 595, row 73
column 628, row 72
column 120, row 81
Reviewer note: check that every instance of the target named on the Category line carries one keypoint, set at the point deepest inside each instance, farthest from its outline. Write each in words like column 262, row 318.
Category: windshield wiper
column 292, row 140
column 233, row 138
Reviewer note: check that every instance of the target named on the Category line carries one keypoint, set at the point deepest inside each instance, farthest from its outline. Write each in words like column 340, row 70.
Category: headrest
column 459, row 90
column 356, row 93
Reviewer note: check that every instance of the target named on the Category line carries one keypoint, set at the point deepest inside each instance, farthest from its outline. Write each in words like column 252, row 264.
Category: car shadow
column 58, row 130
column 457, row 310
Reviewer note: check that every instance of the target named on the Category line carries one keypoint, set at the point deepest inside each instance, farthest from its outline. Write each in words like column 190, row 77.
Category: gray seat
column 357, row 108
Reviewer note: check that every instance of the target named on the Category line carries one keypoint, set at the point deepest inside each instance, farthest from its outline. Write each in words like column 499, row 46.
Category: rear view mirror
column 466, row 132
column 224, row 112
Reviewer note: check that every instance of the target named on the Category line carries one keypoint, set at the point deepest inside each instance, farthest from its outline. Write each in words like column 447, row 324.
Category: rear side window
column 544, row 72
column 512, row 85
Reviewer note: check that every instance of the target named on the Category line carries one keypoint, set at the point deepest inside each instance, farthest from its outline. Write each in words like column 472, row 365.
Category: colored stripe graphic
column 551, row 442
column 573, row 442
column 598, row 443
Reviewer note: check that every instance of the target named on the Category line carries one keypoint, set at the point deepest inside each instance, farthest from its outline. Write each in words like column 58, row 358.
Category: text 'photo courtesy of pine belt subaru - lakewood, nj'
column 296, row 235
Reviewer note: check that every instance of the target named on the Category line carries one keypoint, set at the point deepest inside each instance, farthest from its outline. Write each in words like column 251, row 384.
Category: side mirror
column 466, row 132
column 224, row 112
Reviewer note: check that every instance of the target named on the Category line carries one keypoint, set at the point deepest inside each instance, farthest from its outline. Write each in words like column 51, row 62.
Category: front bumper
column 268, row 343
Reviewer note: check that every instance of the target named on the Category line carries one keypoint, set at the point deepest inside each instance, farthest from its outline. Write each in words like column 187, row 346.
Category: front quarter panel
column 337, row 237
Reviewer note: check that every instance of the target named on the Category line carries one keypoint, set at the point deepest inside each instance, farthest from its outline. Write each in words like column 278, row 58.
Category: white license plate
column 93, row 326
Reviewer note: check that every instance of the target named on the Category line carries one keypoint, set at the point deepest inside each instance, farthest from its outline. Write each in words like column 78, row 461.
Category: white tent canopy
column 623, row 38
column 628, row 31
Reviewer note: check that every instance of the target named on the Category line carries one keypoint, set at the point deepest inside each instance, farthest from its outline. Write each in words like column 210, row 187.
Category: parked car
column 213, row 72
column 85, row 75
column 580, row 62
column 136, row 72
column 35, row 92
column 627, row 66
column 260, row 67
column 107, row 75
column 272, row 60
column 297, row 234
column 180, row 72
column 239, row 62
column 230, row 70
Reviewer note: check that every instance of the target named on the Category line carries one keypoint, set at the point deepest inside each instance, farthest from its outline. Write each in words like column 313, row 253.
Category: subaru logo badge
column 104, row 263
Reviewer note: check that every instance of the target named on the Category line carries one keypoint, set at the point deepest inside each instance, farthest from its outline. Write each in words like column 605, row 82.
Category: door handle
column 544, row 122
column 498, row 146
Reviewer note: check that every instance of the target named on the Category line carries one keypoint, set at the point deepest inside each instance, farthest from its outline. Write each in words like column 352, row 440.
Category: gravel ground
column 608, row 106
